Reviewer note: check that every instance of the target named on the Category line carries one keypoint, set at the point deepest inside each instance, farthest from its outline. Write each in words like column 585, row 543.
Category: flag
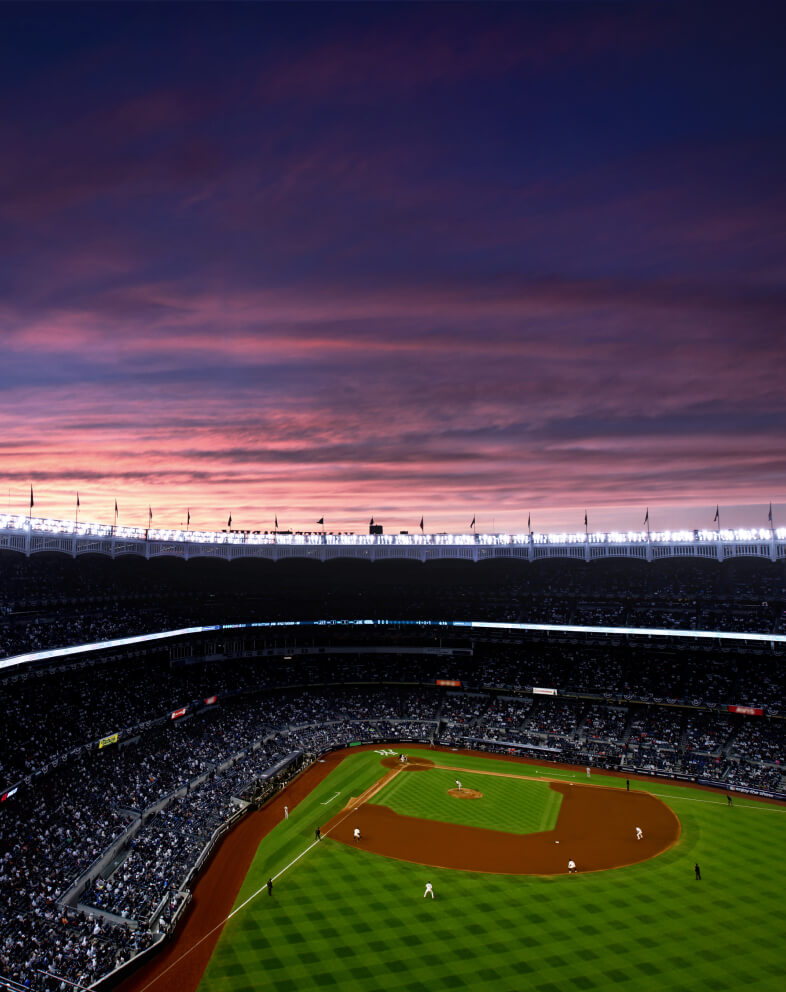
column 472, row 524
column 150, row 513
column 421, row 523
column 585, row 518
column 529, row 522
column 716, row 518
column 276, row 521
column 77, row 500
column 115, row 507
column 321, row 521
column 769, row 515
column 32, row 501
column 647, row 517
column 371, row 522
column 188, row 517
column 229, row 522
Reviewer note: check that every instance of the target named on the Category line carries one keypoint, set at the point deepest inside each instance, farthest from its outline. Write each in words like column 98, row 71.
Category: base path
column 596, row 828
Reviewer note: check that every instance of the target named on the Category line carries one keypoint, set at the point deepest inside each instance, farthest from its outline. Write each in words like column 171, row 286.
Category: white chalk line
column 764, row 808
column 368, row 794
column 329, row 800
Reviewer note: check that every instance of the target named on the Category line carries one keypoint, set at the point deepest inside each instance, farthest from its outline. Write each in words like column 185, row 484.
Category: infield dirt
column 596, row 828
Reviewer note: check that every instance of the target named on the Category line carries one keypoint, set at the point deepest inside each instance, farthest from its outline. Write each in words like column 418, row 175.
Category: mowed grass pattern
column 341, row 918
column 516, row 806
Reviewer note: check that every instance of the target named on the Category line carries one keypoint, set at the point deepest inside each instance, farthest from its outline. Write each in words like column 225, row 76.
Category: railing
column 30, row 535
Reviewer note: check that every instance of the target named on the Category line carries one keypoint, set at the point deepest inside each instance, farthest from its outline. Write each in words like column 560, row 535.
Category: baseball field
column 349, row 913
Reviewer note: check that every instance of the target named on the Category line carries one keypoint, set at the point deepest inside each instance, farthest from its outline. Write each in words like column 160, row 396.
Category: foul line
column 329, row 800
column 359, row 802
column 764, row 808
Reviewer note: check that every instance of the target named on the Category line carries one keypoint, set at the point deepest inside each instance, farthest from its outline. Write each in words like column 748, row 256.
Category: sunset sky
column 394, row 260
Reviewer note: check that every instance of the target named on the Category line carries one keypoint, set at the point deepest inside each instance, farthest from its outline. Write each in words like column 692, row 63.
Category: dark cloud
column 397, row 257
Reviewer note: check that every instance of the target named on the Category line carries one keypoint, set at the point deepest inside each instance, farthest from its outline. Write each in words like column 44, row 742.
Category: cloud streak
column 482, row 268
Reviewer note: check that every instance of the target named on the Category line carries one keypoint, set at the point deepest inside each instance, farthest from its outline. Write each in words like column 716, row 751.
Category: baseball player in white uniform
column 429, row 891
column 639, row 833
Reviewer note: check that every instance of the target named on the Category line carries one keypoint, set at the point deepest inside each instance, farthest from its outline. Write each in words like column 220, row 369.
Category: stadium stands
column 98, row 845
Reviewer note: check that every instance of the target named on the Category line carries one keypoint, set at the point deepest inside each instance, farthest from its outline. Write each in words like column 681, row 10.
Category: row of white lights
column 508, row 626
column 46, row 525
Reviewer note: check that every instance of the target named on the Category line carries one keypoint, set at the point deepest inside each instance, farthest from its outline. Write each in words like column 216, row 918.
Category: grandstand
column 151, row 702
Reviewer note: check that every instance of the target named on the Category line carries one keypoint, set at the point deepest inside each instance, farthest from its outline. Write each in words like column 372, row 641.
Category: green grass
column 513, row 805
column 344, row 919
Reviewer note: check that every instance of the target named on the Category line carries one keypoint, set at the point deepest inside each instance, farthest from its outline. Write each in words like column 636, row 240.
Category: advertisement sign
column 747, row 710
column 112, row 739
column 177, row 713
column 543, row 692
column 452, row 682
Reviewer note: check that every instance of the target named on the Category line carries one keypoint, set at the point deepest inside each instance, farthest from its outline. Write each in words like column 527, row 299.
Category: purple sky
column 392, row 261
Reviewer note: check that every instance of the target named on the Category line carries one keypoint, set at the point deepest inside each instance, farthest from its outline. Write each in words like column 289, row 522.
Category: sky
column 305, row 261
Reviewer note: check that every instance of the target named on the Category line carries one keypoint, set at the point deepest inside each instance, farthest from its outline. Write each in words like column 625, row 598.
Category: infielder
column 572, row 867
column 356, row 833
column 639, row 833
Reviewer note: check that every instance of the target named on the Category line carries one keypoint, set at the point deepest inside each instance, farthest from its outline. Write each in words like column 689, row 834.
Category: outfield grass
column 344, row 919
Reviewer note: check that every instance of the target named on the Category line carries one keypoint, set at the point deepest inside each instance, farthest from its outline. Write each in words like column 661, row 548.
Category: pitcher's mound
column 465, row 793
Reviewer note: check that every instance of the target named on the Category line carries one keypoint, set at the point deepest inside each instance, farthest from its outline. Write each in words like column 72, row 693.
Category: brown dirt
column 464, row 793
column 596, row 827
column 410, row 765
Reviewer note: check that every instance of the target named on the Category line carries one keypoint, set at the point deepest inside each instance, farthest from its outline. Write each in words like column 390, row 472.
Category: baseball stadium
column 298, row 762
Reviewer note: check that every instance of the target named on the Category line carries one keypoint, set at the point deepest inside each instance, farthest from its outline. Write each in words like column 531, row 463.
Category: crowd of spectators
column 57, row 828
column 157, row 794
column 50, row 600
